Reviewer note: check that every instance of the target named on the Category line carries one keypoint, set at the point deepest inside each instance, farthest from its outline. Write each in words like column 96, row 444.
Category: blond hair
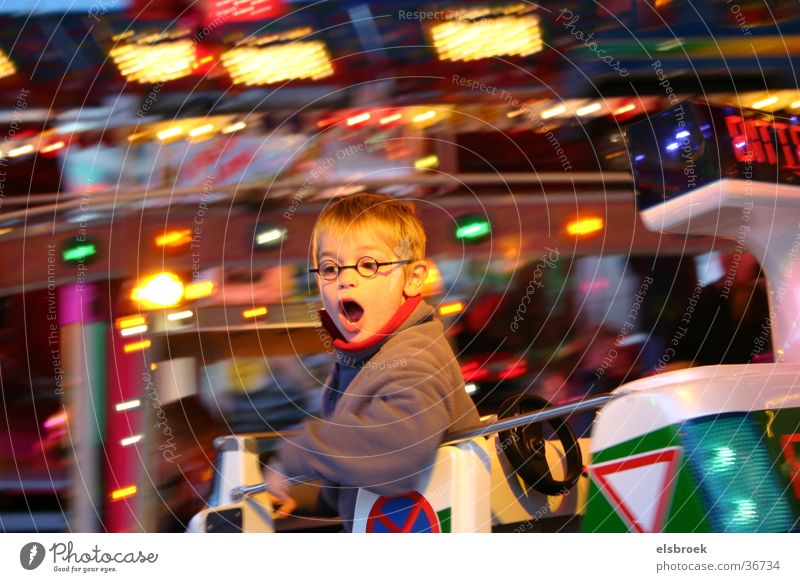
column 393, row 221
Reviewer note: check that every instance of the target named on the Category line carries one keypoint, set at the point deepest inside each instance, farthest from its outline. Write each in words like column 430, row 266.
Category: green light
column 79, row 253
column 475, row 228
column 723, row 458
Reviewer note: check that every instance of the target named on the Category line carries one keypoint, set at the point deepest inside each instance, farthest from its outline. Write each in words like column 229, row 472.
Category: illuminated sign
column 694, row 144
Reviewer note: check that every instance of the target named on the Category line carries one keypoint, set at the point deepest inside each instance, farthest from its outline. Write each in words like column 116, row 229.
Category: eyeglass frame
column 340, row 268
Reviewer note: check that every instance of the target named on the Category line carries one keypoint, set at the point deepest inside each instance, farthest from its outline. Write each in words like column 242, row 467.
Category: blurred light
column 681, row 134
column 21, row 151
column 585, row 226
column 153, row 366
column 391, row 118
column 131, row 440
column 238, row 126
column 255, row 312
column 514, row 370
column 451, row 308
column 765, row 103
column 427, row 162
column 552, row 112
column 55, row 420
column 270, row 237
column 625, row 109
column 471, row 388
column 161, row 290
column 137, row 346
column 723, row 459
column 174, row 238
column 358, row 119
column 168, row 133
column 130, row 321
column 474, row 372
column 5, row 231
column 53, row 147
column 638, row 158
column 423, row 116
column 672, row 147
column 179, row 315
column 78, row 251
column 121, row 406
column 462, row 40
column 202, row 130
column 274, row 64
column 199, row 290
column 434, row 275
column 242, row 10
column 7, row 67
column 129, row 331
column 124, row 492
column 795, row 105
column 473, row 228
column 154, row 62
column 591, row 108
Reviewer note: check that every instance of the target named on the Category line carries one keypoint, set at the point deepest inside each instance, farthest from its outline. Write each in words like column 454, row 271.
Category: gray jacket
column 386, row 425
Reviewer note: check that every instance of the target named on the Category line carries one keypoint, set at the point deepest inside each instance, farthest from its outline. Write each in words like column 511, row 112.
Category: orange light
column 625, row 109
column 174, row 238
column 359, row 119
column 255, row 312
column 391, row 118
column 198, row 290
column 160, row 290
column 137, row 346
column 584, row 226
column 451, row 308
column 53, row 147
column 131, row 321
column 123, row 492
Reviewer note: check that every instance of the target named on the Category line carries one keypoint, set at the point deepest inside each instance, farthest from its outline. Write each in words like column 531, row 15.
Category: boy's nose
column 348, row 278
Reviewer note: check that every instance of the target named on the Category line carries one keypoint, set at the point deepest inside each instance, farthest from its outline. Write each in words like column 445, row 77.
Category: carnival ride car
column 708, row 449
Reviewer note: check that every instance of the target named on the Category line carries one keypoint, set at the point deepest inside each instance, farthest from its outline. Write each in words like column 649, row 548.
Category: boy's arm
column 385, row 444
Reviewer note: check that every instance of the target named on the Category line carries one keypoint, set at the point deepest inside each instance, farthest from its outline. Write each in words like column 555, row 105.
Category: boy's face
column 361, row 306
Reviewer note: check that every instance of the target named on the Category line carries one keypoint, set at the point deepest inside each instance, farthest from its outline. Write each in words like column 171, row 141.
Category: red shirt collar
column 406, row 309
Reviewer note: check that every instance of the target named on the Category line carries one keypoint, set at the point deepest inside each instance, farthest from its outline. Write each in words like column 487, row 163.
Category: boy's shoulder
column 425, row 340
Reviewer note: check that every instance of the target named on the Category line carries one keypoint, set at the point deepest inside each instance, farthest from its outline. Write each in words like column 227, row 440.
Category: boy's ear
column 415, row 281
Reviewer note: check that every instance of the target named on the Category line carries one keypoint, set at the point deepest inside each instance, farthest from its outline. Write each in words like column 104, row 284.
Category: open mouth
column 352, row 310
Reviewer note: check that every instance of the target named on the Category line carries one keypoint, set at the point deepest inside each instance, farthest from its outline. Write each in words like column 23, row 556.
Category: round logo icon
column 403, row 514
column 31, row 555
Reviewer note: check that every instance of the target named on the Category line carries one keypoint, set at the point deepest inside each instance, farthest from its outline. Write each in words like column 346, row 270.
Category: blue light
column 705, row 127
column 672, row 147
column 638, row 158
column 740, row 485
column 681, row 134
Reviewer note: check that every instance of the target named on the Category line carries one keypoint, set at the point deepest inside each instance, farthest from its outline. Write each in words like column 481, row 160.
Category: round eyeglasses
column 367, row 267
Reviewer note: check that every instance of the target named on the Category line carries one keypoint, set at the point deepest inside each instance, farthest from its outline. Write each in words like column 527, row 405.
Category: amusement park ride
column 707, row 449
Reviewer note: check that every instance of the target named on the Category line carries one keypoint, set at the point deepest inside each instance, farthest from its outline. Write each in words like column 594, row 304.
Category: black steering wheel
column 524, row 447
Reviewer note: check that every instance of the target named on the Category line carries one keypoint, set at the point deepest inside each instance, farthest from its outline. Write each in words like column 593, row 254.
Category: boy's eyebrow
column 359, row 249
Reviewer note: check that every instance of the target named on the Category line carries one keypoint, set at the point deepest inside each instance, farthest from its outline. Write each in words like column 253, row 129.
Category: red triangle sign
column 640, row 487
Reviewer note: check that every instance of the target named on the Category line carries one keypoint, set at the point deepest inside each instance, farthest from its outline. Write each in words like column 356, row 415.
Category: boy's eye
column 368, row 266
column 328, row 269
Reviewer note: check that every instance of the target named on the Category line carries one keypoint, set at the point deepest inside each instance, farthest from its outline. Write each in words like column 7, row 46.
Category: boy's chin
column 355, row 336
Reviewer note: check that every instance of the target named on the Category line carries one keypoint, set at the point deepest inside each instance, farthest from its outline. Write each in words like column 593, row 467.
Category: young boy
column 396, row 387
